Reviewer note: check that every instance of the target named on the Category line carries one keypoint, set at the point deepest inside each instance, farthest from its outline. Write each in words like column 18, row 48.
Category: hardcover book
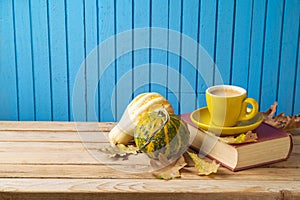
column 273, row 145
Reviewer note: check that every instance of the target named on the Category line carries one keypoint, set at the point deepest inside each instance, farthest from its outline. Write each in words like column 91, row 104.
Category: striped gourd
column 123, row 132
column 160, row 132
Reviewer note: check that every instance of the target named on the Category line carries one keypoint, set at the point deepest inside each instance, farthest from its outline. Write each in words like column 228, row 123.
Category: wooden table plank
column 147, row 189
column 53, row 136
column 96, row 171
column 60, row 160
column 55, row 126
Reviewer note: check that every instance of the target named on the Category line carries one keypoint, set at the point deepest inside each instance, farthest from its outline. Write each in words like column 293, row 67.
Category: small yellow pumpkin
column 123, row 132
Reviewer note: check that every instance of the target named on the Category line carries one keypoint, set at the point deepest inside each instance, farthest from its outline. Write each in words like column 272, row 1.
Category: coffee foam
column 226, row 90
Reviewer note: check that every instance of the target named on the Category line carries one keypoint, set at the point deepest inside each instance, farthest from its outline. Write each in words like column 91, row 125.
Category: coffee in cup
column 228, row 104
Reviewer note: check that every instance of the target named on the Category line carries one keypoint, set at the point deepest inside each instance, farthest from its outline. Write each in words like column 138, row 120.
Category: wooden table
column 58, row 160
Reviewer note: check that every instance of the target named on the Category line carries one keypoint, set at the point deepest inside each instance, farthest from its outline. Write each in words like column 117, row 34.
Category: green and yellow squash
column 160, row 132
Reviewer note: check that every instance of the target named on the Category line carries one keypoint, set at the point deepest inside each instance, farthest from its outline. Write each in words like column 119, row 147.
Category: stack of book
column 273, row 145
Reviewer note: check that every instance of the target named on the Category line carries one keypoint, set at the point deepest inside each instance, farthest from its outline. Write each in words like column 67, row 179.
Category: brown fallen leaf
column 270, row 112
column 119, row 151
column 281, row 121
column 240, row 139
column 204, row 167
column 166, row 170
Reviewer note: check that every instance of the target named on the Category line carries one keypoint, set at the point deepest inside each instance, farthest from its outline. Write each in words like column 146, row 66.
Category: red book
column 273, row 145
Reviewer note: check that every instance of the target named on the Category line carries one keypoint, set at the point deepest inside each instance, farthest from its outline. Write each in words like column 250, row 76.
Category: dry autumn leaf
column 268, row 115
column 166, row 170
column 281, row 121
column 241, row 138
column 119, row 151
column 203, row 167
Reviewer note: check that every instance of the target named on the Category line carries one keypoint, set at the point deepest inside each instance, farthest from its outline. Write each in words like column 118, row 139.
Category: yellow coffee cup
column 228, row 104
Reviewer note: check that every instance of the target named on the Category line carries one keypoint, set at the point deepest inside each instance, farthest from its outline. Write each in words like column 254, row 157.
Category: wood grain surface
column 60, row 160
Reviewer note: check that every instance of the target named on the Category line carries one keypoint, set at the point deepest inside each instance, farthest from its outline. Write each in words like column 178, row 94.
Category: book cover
column 273, row 145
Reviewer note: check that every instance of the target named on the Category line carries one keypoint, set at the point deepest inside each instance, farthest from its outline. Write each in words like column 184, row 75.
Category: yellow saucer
column 201, row 118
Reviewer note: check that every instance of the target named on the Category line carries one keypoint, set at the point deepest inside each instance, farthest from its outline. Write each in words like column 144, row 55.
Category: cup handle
column 245, row 115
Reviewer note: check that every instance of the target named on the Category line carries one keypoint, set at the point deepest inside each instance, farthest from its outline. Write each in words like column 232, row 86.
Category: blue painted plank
column 256, row 49
column 8, row 80
column 241, row 45
column 106, row 23
column 175, row 11
column 75, row 42
column 201, row 98
column 58, row 55
column 189, row 64
column 24, row 61
column 40, row 76
column 207, row 35
column 141, row 20
column 225, row 27
column 124, row 61
column 40, row 50
column 296, row 109
column 271, row 54
column 288, row 73
column 207, row 51
column 92, row 76
column 158, row 73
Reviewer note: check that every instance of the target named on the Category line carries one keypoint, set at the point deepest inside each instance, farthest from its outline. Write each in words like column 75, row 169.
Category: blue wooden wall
column 44, row 43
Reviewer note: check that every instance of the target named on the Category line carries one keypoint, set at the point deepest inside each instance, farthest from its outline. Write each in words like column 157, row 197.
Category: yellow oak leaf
column 204, row 167
column 119, row 151
column 240, row 139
